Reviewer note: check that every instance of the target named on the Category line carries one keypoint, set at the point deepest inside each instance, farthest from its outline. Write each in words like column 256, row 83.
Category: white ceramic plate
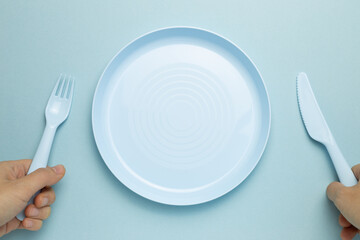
column 181, row 116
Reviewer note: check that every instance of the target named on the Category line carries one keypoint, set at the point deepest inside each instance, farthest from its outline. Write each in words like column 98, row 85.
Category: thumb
column 336, row 191
column 41, row 178
column 356, row 171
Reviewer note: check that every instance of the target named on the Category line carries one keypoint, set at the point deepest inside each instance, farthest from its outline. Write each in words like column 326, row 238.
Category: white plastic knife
column 318, row 129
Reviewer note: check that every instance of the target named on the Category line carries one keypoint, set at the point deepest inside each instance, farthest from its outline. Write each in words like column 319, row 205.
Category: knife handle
column 343, row 170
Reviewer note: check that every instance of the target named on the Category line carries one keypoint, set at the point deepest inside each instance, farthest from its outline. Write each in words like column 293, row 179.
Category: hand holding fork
column 57, row 111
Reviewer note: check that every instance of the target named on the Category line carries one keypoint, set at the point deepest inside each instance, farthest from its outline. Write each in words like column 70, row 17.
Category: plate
column 181, row 116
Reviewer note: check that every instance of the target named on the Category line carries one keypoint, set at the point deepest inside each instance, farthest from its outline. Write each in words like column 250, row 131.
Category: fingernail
column 34, row 212
column 28, row 224
column 57, row 169
column 44, row 202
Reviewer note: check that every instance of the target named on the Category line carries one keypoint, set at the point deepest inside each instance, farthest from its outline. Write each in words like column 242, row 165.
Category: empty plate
column 181, row 116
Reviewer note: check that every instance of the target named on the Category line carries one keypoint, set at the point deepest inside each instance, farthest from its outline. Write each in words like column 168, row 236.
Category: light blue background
column 284, row 197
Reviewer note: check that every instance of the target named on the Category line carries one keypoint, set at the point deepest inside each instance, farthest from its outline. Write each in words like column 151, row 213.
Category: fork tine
column 56, row 88
column 68, row 84
column 61, row 87
column 64, row 87
column 71, row 90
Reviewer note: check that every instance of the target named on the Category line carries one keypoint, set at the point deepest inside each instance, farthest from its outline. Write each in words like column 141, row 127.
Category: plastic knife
column 318, row 129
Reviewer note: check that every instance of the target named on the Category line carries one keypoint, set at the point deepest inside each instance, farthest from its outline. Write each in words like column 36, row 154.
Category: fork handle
column 41, row 157
column 43, row 151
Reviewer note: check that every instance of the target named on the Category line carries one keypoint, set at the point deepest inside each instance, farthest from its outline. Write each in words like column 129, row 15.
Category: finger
column 31, row 224
column 40, row 178
column 15, row 169
column 37, row 213
column 45, row 198
column 334, row 190
column 10, row 226
column 343, row 222
column 356, row 171
column 348, row 233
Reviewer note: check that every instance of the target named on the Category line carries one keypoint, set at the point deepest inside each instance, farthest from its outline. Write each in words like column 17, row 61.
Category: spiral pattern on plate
column 169, row 120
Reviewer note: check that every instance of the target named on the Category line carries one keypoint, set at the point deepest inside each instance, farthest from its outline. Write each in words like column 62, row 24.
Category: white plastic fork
column 56, row 112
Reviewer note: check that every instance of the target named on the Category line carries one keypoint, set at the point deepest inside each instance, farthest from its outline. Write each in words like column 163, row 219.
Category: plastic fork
column 56, row 112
